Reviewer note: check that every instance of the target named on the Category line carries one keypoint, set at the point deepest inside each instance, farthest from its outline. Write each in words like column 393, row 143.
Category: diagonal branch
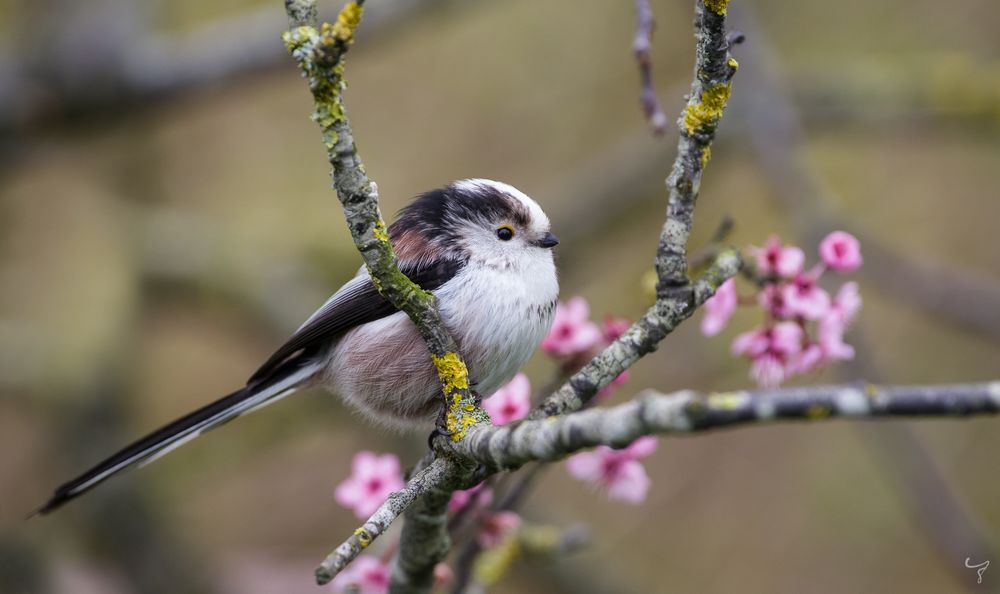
column 511, row 446
column 320, row 53
column 677, row 298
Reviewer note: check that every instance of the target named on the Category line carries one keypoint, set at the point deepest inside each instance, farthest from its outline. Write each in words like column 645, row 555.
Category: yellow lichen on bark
column 348, row 21
column 707, row 111
column 717, row 6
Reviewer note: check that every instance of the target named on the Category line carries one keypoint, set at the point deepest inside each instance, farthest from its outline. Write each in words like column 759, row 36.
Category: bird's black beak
column 547, row 241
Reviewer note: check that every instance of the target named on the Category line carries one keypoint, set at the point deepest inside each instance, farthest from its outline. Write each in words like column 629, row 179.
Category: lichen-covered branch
column 654, row 413
column 713, row 74
column 676, row 298
column 320, row 53
column 644, row 27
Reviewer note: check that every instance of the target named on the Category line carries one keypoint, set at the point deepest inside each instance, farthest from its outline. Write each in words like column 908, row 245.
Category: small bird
column 482, row 247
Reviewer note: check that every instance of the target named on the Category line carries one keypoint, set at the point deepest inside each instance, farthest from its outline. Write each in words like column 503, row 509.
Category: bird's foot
column 441, row 425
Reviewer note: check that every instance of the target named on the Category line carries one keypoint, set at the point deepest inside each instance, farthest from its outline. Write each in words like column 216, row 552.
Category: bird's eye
column 505, row 233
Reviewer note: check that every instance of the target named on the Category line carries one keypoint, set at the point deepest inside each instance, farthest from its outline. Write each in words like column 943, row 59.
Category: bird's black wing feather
column 358, row 302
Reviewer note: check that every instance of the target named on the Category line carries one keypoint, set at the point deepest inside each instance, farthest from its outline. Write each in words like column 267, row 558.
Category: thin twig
column 644, row 27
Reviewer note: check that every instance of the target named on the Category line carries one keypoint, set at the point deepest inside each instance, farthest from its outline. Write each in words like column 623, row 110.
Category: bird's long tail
column 181, row 431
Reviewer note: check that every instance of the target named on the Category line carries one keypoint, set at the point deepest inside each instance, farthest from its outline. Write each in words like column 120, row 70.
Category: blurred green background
column 166, row 221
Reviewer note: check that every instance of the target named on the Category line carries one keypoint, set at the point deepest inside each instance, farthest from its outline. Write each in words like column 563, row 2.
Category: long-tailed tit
column 482, row 247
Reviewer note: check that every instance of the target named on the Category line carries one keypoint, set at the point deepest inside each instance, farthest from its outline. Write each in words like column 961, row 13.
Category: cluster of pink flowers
column 804, row 326
column 572, row 341
column 574, row 338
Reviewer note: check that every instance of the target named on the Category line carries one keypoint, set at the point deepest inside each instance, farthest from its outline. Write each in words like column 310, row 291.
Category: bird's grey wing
column 357, row 302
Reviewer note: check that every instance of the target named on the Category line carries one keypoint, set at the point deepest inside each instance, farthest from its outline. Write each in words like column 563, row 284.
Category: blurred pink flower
column 618, row 471
column 482, row 494
column 809, row 359
column 366, row 575
column 511, row 402
column 772, row 350
column 830, row 335
column 803, row 297
column 772, row 299
column 612, row 328
column 443, row 575
column 572, row 331
column 496, row 527
column 776, row 260
column 847, row 302
column 372, row 479
column 841, row 251
column 719, row 308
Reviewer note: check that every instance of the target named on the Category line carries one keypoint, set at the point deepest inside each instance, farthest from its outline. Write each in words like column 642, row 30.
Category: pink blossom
column 773, row 351
column 612, row 328
column 772, row 299
column 496, row 527
column 511, row 402
column 830, row 334
column 752, row 344
column 481, row 494
column 841, row 251
column 803, row 297
column 769, row 371
column 619, row 471
column 372, row 479
column 847, row 302
column 776, row 260
column 809, row 359
column 719, row 308
column 572, row 332
column 366, row 575
column 443, row 575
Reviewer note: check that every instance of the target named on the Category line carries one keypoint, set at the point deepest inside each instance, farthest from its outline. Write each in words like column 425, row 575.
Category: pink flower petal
column 373, row 479
column 841, row 251
column 586, row 466
column 511, row 402
column 719, row 308
column 631, row 485
column 641, row 447
column 366, row 575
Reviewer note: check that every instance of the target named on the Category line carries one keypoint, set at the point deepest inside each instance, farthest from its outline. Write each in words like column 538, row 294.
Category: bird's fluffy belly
column 383, row 368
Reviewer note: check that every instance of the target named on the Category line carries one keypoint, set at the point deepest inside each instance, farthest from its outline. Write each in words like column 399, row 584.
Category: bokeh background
column 166, row 221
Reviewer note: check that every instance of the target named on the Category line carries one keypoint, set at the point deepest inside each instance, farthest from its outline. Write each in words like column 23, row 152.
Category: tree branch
column 421, row 482
column 511, row 446
column 320, row 53
column 677, row 298
column 640, row 339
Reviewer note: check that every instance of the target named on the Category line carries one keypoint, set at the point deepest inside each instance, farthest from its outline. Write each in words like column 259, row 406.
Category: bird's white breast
column 499, row 316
